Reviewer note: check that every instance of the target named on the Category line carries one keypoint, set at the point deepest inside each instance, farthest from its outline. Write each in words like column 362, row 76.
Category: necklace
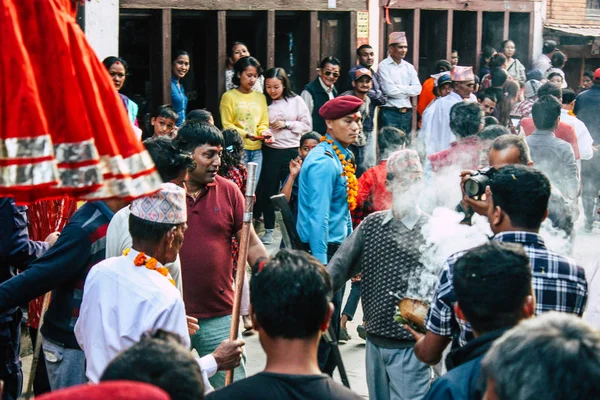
column 348, row 171
column 150, row 264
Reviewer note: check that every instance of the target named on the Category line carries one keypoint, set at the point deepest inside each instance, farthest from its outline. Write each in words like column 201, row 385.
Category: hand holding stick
column 242, row 255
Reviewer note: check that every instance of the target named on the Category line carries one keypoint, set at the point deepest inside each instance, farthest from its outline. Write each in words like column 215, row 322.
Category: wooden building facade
column 435, row 28
column 575, row 26
column 292, row 35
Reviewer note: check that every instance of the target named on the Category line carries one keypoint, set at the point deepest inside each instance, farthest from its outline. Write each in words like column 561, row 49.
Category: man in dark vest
column 385, row 248
column 321, row 90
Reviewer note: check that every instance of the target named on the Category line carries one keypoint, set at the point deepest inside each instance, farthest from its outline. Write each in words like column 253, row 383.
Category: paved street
column 353, row 352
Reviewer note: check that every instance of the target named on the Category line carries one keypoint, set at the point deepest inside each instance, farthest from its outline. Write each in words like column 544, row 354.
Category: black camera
column 476, row 184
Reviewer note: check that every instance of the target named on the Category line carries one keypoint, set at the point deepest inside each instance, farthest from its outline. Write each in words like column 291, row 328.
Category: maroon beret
column 340, row 107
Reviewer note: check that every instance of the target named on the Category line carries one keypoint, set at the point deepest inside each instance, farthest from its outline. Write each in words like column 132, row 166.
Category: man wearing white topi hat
column 132, row 294
column 399, row 81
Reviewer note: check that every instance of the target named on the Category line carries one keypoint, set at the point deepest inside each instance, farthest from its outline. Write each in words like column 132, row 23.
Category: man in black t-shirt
column 290, row 297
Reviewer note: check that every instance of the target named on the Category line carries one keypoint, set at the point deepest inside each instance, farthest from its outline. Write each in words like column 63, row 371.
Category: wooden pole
column 38, row 347
column 242, row 256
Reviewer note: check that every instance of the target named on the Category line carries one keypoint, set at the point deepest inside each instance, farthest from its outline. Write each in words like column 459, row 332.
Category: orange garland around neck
column 348, row 171
column 150, row 264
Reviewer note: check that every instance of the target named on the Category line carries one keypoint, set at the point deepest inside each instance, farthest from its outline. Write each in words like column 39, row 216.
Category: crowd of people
column 364, row 164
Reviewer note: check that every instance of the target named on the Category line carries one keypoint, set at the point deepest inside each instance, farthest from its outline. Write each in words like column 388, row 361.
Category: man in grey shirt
column 550, row 154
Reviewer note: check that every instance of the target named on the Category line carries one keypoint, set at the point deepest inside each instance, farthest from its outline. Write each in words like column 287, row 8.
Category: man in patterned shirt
column 517, row 204
column 386, row 249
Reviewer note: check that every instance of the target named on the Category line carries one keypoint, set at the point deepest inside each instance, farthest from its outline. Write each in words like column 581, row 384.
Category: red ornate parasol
column 63, row 129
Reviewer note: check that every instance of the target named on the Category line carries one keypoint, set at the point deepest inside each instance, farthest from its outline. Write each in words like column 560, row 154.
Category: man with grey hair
column 551, row 357
column 385, row 247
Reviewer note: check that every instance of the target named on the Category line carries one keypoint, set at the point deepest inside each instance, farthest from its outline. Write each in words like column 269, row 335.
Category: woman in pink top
column 289, row 119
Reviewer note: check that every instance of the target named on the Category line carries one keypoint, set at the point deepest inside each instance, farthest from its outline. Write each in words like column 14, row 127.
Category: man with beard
column 385, row 248
column 366, row 59
column 361, row 85
column 215, row 209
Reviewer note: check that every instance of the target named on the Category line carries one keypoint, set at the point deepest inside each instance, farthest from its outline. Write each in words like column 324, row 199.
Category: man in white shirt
column 438, row 125
column 399, row 82
column 543, row 62
column 584, row 138
column 129, row 295
column 172, row 165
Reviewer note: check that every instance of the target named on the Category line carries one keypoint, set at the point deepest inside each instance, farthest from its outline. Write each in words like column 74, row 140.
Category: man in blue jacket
column 493, row 292
column 16, row 251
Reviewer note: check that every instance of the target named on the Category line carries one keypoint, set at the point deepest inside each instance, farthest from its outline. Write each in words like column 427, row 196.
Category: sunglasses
column 329, row 73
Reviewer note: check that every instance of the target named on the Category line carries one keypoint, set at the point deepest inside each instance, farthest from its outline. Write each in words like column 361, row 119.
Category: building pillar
column 374, row 28
column 102, row 27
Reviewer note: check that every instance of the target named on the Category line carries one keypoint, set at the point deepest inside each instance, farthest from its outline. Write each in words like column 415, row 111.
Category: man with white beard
column 385, row 247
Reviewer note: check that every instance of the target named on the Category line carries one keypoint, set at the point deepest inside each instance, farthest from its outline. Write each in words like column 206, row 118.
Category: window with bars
column 593, row 9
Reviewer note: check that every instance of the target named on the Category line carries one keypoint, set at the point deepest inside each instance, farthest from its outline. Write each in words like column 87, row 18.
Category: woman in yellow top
column 246, row 111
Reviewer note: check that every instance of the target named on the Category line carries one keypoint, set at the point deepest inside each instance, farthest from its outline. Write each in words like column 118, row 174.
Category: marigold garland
column 150, row 264
column 348, row 171
column 571, row 113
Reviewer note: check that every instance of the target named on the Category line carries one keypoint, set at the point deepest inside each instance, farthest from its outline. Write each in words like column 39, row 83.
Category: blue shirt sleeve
column 320, row 176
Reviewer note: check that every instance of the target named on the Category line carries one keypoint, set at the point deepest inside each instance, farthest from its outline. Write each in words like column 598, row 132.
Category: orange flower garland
column 348, row 171
column 150, row 264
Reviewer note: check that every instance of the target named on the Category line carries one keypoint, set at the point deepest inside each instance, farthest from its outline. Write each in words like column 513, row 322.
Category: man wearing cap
column 361, row 85
column 586, row 109
column 442, row 88
column 327, row 191
column 463, row 82
column 129, row 295
column 385, row 248
column 399, row 81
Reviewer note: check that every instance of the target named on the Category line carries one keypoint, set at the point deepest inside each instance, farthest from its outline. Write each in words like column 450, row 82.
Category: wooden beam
column 165, row 20
column 249, row 5
column 449, row 32
column 315, row 44
column 270, row 39
column 478, row 40
column 462, row 5
column 221, row 51
column 506, row 28
column 383, row 40
column 530, row 44
column 352, row 27
column 415, row 51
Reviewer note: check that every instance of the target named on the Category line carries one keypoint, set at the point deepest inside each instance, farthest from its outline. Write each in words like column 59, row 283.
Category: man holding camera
column 517, row 203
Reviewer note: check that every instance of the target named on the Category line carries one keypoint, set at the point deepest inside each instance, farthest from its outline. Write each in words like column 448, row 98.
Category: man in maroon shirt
column 215, row 215
column 466, row 120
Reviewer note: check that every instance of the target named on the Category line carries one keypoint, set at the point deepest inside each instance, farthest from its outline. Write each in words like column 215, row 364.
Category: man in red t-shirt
column 215, row 208
column 564, row 131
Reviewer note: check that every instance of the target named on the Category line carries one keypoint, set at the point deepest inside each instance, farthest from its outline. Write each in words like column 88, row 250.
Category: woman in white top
column 513, row 66
column 239, row 50
column 289, row 119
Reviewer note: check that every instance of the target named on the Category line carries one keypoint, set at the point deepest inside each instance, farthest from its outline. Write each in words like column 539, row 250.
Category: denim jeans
column 393, row 117
column 396, row 374
column 255, row 156
column 212, row 332
column 10, row 359
column 352, row 301
column 66, row 367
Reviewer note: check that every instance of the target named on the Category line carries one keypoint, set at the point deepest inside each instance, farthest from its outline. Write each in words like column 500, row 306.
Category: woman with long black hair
column 289, row 119
column 180, row 68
